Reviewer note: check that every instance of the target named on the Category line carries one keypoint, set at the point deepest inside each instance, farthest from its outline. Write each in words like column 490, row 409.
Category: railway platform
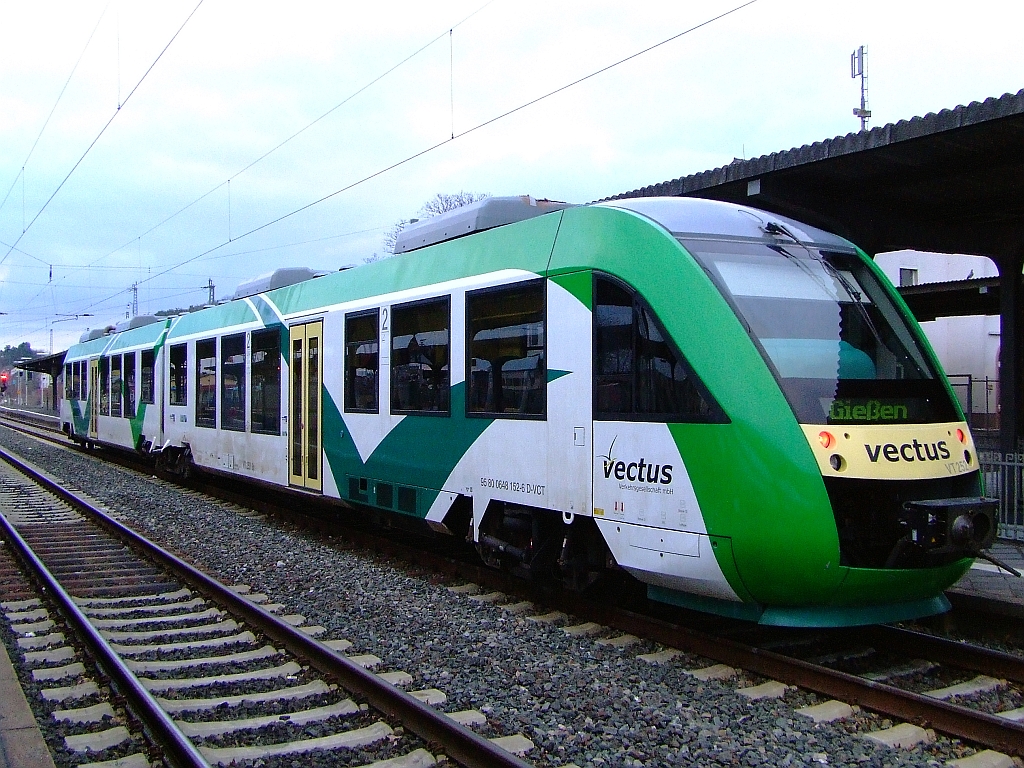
column 21, row 742
column 988, row 587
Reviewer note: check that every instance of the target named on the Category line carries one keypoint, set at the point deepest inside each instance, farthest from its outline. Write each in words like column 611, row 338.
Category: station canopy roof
column 50, row 364
column 950, row 182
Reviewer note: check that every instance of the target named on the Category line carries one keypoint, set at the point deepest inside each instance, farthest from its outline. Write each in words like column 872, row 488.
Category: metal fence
column 1004, row 479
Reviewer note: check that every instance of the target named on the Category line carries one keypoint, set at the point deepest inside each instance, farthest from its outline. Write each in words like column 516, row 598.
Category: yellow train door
column 304, row 392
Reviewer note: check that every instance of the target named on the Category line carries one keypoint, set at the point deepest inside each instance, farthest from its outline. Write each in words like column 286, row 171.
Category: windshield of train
column 839, row 347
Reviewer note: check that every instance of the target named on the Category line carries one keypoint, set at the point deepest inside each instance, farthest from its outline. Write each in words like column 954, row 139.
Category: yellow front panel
column 893, row 451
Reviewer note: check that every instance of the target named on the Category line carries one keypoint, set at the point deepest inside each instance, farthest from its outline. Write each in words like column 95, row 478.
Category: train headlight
column 962, row 530
column 826, row 439
column 838, row 462
column 960, row 435
column 967, row 456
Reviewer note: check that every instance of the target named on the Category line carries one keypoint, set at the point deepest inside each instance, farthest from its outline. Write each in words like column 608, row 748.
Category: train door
column 304, row 396
column 570, row 416
column 94, row 396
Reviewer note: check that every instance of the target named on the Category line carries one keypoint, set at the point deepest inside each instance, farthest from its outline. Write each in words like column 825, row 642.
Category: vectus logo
column 908, row 451
column 635, row 471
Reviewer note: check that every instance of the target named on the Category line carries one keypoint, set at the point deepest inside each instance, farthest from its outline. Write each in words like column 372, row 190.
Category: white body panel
column 570, row 413
column 646, row 509
column 248, row 454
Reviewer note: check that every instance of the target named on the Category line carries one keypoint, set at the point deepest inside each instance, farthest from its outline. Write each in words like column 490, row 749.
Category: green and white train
column 734, row 407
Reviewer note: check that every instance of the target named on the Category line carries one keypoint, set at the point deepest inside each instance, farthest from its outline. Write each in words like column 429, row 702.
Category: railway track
column 212, row 674
column 956, row 688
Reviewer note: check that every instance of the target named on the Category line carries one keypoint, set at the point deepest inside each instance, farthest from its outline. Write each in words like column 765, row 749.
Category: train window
column 505, row 365
column 638, row 372
column 206, row 383
column 420, row 365
column 266, row 382
column 232, row 382
column 104, row 386
column 362, row 361
column 74, row 382
column 115, row 386
column 67, row 381
column 613, row 349
column 148, row 392
column 129, row 385
column 178, row 379
column 830, row 332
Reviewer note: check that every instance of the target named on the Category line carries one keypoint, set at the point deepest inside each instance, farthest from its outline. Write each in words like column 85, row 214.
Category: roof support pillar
column 1011, row 350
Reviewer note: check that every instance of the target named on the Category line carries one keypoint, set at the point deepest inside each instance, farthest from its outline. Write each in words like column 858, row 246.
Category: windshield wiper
column 774, row 228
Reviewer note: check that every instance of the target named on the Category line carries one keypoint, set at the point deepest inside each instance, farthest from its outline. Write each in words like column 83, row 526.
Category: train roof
column 696, row 218
column 279, row 278
column 146, row 334
column 136, row 322
column 494, row 248
column 484, row 214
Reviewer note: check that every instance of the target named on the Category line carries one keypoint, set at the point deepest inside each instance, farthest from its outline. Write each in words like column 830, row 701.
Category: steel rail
column 459, row 743
column 956, row 654
column 41, row 420
column 178, row 748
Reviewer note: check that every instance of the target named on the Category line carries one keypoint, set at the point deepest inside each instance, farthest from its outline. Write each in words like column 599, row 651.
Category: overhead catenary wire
column 53, row 109
column 28, row 318
column 276, row 147
column 442, row 143
column 102, row 131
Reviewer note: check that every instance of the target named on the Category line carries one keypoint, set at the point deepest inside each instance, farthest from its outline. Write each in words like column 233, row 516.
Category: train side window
column 116, row 386
column 420, row 364
column 178, row 379
column 639, row 373
column 232, row 382
column 505, row 345
column 129, row 385
column 148, row 393
column 613, row 349
column 104, row 386
column 206, row 383
column 266, row 382
column 362, row 361
column 68, row 381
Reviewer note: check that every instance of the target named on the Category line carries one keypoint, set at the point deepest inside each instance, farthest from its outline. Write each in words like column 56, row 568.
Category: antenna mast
column 859, row 68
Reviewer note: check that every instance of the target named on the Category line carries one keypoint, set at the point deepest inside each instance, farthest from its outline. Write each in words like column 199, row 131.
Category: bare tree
column 440, row 203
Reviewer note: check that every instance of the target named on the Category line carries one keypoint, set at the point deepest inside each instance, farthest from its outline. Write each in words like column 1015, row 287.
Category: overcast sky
column 241, row 77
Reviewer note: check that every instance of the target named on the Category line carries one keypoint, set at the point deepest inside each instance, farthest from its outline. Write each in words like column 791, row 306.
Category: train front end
column 895, row 454
column 864, row 500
